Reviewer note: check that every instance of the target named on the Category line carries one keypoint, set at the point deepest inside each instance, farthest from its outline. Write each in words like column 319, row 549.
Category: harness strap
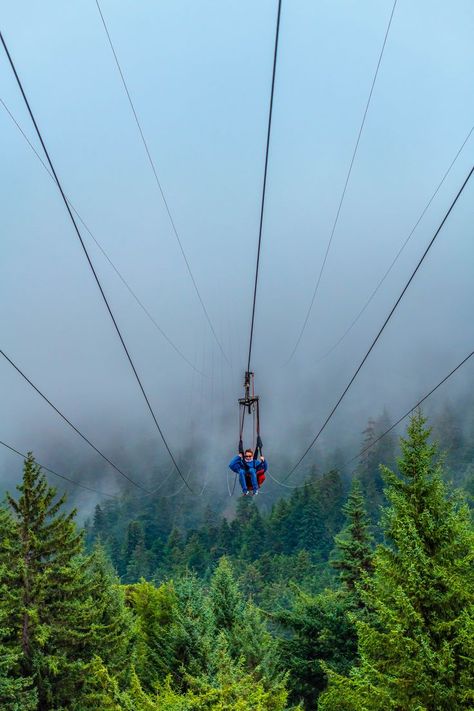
column 241, row 430
column 251, row 403
column 259, row 446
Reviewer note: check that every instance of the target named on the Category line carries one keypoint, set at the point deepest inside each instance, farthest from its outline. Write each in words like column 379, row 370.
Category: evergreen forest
column 348, row 593
column 229, row 225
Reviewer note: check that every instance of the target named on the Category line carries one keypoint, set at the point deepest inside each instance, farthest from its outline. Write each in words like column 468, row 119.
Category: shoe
column 246, row 493
column 255, row 492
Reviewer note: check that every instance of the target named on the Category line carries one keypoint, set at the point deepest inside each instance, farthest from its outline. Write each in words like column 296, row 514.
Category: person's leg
column 242, row 481
column 253, row 476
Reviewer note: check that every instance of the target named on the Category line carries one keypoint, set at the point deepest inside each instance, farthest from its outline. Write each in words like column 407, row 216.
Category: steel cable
column 400, row 419
column 61, row 476
column 76, row 429
column 76, row 228
column 344, row 190
column 395, row 259
column 158, row 183
column 264, row 187
column 323, row 427
column 88, row 230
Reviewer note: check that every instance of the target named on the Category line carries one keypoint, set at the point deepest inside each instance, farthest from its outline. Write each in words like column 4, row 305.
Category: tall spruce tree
column 172, row 556
column 112, row 633
column 375, row 453
column 133, row 552
column 59, row 607
column 331, row 495
column 282, row 533
column 416, row 648
column 156, row 611
column 16, row 692
column 310, row 522
column 48, row 585
column 253, row 540
column 196, row 554
column 241, row 624
column 194, row 640
column 227, row 604
column 353, row 552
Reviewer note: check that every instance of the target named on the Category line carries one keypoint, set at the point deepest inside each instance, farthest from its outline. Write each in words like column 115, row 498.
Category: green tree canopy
column 62, row 607
column 416, row 649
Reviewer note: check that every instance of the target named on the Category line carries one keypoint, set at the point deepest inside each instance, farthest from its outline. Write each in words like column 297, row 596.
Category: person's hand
column 262, row 458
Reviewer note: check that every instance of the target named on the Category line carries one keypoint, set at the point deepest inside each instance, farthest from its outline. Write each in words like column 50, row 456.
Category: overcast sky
column 199, row 73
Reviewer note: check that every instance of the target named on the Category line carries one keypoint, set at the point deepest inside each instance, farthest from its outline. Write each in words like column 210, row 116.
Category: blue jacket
column 237, row 464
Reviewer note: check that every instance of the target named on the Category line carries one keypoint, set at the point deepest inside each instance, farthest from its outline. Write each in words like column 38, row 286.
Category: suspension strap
column 241, row 429
column 259, row 446
column 249, row 403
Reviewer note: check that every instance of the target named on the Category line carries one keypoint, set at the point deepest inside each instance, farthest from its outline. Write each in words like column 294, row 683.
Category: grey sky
column 199, row 73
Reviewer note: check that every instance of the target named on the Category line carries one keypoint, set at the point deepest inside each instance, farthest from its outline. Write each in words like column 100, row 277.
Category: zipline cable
column 158, row 183
column 116, row 270
column 162, row 482
column 76, row 228
column 400, row 419
column 344, row 190
column 262, row 207
column 347, row 331
column 61, row 476
column 63, row 416
column 175, row 493
column 281, row 483
column 323, row 427
column 425, row 397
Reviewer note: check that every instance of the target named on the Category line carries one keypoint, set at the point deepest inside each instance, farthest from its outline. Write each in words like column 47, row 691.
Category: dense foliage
column 415, row 647
column 157, row 606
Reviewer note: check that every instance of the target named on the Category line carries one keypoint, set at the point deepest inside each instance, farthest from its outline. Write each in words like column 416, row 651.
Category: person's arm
column 236, row 464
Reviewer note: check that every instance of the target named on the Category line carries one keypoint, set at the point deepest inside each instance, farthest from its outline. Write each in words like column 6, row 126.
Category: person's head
column 248, row 454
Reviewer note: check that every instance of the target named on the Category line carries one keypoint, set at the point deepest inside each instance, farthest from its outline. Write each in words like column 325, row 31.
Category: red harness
column 260, row 478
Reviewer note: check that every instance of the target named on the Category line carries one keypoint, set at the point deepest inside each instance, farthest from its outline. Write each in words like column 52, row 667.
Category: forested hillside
column 233, row 225
column 297, row 608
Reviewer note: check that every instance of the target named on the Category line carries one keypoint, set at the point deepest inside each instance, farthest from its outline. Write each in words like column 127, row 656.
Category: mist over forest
column 205, row 463
column 196, row 196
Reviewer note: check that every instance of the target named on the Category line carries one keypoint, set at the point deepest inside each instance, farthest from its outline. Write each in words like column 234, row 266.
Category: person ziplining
column 251, row 471
column 250, row 465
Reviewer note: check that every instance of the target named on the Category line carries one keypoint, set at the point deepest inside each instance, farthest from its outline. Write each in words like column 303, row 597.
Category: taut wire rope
column 389, row 429
column 264, row 187
column 158, row 183
column 344, row 190
column 414, row 407
column 60, row 476
column 395, row 259
column 329, row 417
column 100, row 247
column 76, row 228
column 83, row 436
